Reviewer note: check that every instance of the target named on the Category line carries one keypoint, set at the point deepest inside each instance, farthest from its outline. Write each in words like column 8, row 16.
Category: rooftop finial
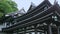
column 55, row 2
column 46, row 0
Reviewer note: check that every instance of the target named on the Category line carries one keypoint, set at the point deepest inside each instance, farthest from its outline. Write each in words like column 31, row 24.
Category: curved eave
column 49, row 12
column 41, row 14
column 45, row 18
column 42, row 18
column 39, row 6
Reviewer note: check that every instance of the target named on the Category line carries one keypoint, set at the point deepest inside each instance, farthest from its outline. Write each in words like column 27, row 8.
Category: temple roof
column 38, row 15
column 21, row 11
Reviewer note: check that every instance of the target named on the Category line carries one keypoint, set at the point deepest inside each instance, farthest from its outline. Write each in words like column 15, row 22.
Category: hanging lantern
column 55, row 18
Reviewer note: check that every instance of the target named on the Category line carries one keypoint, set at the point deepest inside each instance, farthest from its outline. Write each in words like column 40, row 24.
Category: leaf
column 7, row 6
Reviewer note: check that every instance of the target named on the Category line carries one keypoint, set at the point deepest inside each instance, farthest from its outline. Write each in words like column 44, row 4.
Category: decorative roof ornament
column 46, row 0
column 55, row 2
column 33, row 4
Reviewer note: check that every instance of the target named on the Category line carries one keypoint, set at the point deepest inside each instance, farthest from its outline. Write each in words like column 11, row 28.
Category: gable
column 44, row 5
column 32, row 6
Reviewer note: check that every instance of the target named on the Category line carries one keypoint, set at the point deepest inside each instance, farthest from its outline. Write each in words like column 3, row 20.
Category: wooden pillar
column 49, row 29
column 45, row 32
column 58, row 30
column 35, row 29
column 17, row 32
column 9, row 32
column 24, row 31
column 29, row 32
column 40, row 32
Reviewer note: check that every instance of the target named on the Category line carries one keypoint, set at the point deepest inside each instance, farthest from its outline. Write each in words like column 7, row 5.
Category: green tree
column 7, row 6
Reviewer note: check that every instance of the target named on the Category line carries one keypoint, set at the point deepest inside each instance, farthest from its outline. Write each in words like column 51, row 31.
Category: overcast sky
column 26, row 3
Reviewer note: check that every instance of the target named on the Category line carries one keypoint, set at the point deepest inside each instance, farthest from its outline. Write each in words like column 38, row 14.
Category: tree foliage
column 7, row 6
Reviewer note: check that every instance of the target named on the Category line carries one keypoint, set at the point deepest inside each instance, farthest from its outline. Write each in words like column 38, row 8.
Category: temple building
column 41, row 19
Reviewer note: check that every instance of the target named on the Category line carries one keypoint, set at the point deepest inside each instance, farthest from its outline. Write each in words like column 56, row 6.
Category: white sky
column 26, row 3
